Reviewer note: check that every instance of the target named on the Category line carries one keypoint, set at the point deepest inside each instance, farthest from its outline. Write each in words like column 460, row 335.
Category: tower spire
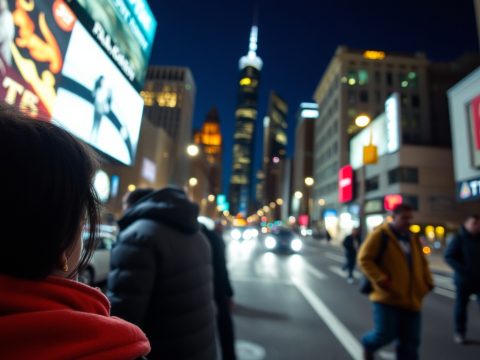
column 252, row 59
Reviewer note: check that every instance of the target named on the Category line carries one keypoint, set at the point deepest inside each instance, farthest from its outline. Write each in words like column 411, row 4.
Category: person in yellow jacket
column 400, row 278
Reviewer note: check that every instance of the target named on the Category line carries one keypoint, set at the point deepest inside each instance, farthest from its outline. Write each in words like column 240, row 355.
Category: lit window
column 148, row 97
column 362, row 77
column 167, row 99
column 245, row 81
column 246, row 113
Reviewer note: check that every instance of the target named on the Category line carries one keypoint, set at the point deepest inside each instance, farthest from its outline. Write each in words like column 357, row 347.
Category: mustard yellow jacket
column 408, row 285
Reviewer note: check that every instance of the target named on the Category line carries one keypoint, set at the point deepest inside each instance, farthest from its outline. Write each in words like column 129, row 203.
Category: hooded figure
column 161, row 277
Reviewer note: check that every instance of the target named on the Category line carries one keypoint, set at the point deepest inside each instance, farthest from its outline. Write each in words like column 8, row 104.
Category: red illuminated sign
column 303, row 220
column 476, row 121
column 345, row 184
column 390, row 201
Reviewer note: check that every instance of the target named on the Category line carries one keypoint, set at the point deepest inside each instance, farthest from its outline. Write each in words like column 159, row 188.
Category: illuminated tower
column 210, row 139
column 246, row 116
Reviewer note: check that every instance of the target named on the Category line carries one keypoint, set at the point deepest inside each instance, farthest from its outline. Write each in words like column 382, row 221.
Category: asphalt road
column 301, row 307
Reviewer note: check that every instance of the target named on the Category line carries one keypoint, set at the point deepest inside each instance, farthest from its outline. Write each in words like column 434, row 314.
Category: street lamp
column 192, row 150
column 193, row 181
column 362, row 120
column 298, row 194
column 309, row 181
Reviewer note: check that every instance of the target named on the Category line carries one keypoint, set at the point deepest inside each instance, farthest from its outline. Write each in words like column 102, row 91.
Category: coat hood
column 169, row 206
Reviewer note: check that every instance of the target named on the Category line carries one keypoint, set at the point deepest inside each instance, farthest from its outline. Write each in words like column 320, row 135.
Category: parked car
column 283, row 239
column 99, row 266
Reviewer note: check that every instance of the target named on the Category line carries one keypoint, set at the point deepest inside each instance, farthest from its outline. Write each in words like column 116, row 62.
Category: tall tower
column 246, row 116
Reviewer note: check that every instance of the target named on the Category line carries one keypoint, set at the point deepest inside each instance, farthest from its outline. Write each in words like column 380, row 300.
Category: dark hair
column 47, row 185
column 134, row 196
column 473, row 216
column 400, row 208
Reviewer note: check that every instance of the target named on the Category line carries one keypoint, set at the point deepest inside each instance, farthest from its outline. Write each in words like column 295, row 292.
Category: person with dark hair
column 223, row 291
column 463, row 255
column 162, row 278
column 44, row 312
column 351, row 243
column 400, row 280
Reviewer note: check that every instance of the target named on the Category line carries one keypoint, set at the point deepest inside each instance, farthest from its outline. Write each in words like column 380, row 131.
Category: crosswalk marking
column 315, row 272
column 341, row 332
column 335, row 257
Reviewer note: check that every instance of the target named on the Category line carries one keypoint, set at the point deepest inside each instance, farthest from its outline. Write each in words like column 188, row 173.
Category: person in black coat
column 161, row 276
column 223, row 293
column 463, row 255
column 351, row 243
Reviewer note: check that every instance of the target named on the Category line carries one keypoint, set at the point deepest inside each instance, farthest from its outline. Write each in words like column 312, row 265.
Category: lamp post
column 362, row 121
column 309, row 181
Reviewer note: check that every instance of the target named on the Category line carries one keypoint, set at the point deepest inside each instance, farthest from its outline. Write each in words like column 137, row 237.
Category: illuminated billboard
column 108, row 109
column 345, row 184
column 54, row 68
column 124, row 28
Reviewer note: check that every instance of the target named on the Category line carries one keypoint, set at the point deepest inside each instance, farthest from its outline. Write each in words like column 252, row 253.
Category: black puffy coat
column 463, row 255
column 161, row 277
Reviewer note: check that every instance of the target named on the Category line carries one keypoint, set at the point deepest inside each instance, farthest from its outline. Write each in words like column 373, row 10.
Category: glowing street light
column 298, row 194
column 309, row 181
column 362, row 120
column 321, row 202
column 211, row 198
column 193, row 181
column 279, row 202
column 192, row 150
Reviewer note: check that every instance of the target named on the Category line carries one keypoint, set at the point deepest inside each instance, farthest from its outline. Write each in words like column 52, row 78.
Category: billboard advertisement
column 124, row 28
column 45, row 70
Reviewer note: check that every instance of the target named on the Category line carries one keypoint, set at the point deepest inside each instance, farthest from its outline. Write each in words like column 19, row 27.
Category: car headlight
column 254, row 232
column 247, row 234
column 296, row 245
column 270, row 242
column 236, row 234
column 303, row 232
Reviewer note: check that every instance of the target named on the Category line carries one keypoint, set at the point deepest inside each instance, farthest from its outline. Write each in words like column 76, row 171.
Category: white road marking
column 344, row 336
column 335, row 257
column 444, row 292
column 315, row 272
column 386, row 355
column 261, row 280
column 444, row 282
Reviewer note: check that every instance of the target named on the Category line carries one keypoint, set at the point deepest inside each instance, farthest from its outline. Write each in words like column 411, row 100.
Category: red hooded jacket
column 61, row 319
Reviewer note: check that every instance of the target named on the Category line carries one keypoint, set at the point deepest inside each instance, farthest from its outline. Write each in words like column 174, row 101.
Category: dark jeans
column 225, row 328
column 464, row 291
column 350, row 264
column 393, row 323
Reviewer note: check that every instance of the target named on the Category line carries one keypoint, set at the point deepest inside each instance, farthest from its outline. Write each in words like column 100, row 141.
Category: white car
column 99, row 266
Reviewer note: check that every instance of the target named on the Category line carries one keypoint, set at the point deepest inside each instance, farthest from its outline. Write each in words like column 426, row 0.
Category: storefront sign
column 468, row 190
column 392, row 110
column 391, row 201
column 474, row 128
column 345, row 184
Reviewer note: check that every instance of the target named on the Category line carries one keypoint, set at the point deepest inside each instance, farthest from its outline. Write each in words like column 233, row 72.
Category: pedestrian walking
column 351, row 243
column 400, row 282
column 44, row 312
column 463, row 255
column 223, row 292
column 161, row 276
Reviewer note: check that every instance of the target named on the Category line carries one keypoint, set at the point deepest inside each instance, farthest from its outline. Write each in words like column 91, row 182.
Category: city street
column 301, row 307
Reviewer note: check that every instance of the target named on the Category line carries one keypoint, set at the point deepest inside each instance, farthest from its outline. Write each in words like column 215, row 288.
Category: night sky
column 297, row 39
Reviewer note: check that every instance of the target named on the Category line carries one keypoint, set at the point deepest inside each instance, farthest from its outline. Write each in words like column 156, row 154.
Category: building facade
column 464, row 100
column 303, row 157
column 246, row 117
column 275, row 152
column 357, row 82
column 169, row 96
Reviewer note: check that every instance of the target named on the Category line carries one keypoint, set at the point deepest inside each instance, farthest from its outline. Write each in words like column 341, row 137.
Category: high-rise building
column 169, row 95
column 209, row 138
column 358, row 82
column 246, row 116
column 275, row 150
column 303, row 156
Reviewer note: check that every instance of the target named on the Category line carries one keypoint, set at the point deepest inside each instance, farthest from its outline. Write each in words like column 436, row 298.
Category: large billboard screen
column 124, row 28
column 107, row 108
column 53, row 67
